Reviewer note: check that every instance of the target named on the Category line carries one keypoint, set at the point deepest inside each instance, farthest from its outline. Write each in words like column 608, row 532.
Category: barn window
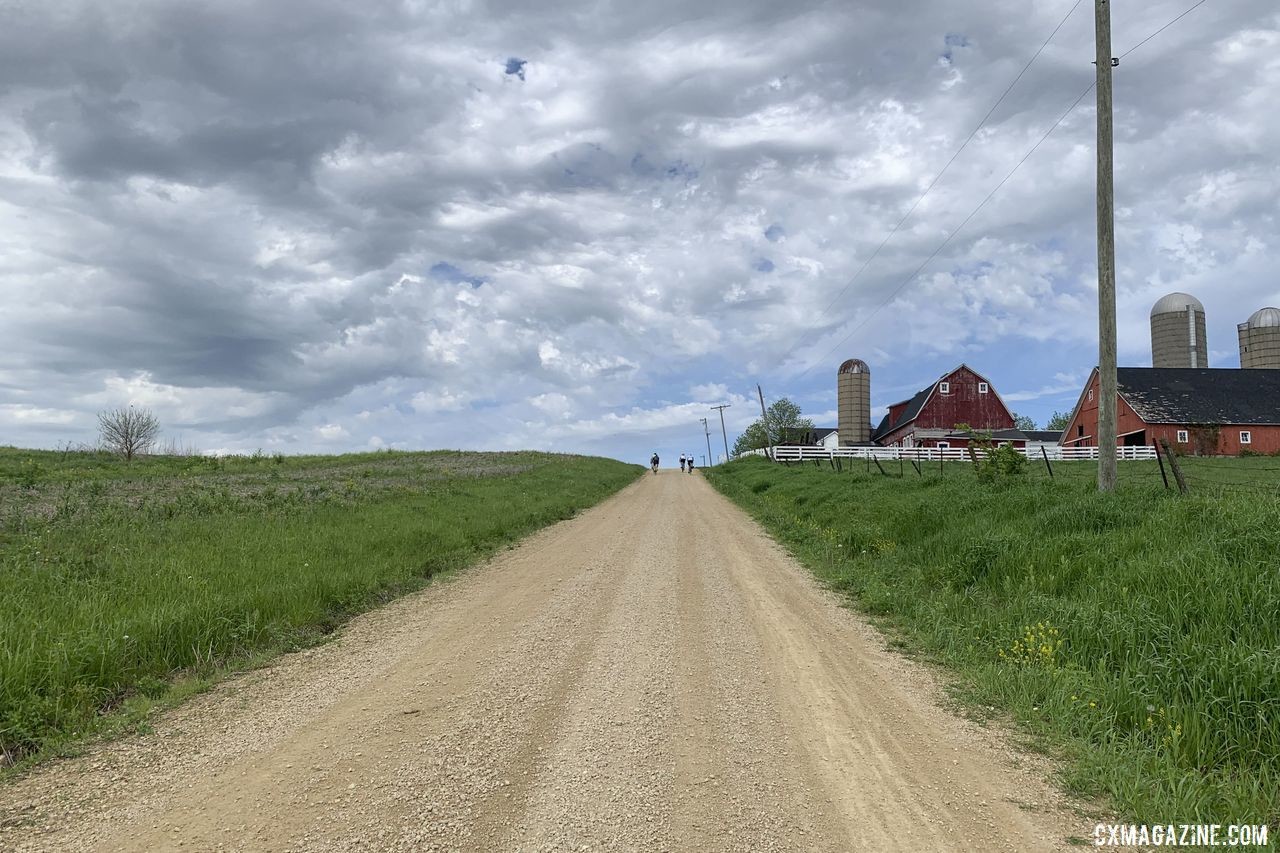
column 1090, row 395
column 1246, row 437
column 983, row 387
column 1080, row 431
column 944, row 445
column 944, row 387
column 1182, row 436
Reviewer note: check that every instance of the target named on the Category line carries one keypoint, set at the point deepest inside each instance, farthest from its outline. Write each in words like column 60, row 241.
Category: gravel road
column 655, row 674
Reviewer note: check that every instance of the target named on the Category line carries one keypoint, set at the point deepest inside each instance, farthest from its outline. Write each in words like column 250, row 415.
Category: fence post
column 878, row 465
column 1163, row 475
column 1173, row 463
column 1046, row 461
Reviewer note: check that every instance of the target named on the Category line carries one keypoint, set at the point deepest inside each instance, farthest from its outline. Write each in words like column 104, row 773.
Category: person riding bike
column 682, row 463
column 653, row 462
column 690, row 463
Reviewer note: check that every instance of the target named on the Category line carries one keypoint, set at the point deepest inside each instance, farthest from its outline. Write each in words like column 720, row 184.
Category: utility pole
column 723, row 434
column 706, row 431
column 764, row 422
column 1106, row 255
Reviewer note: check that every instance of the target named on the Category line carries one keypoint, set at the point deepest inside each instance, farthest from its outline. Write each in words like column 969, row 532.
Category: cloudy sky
column 312, row 225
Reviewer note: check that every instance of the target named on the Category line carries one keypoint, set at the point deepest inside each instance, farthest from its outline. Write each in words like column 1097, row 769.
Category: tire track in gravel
column 652, row 675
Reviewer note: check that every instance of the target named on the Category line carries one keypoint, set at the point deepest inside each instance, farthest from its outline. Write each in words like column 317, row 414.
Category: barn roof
column 1201, row 395
column 909, row 414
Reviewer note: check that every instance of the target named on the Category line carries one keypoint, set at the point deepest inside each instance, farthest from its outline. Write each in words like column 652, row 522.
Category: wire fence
column 1221, row 473
column 1258, row 475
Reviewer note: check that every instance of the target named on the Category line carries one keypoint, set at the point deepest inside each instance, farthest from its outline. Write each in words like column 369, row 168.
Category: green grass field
column 124, row 585
column 1135, row 634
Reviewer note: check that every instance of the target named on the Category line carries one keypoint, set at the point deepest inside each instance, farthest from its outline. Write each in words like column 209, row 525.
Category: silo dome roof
column 855, row 365
column 1264, row 317
column 1175, row 303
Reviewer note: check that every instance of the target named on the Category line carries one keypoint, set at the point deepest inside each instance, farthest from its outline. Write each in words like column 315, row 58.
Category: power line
column 1162, row 29
column 957, row 153
column 894, row 294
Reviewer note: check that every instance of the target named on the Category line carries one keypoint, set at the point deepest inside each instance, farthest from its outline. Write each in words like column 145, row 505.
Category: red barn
column 929, row 419
column 1200, row 410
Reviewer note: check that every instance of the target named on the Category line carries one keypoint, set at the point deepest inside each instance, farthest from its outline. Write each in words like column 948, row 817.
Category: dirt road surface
column 655, row 674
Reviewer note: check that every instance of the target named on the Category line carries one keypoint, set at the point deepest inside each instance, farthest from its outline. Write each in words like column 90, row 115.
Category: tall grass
column 1135, row 633
column 116, row 580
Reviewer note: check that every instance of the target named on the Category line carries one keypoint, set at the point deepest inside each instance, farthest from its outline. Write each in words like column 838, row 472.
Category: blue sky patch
column 774, row 233
column 763, row 265
column 952, row 41
column 675, row 170
column 447, row 272
column 680, row 170
column 515, row 67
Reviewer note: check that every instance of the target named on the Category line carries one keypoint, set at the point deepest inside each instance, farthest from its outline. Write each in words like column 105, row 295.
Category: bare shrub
column 129, row 431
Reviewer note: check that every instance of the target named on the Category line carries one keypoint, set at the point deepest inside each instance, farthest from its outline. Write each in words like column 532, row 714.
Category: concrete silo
column 1260, row 339
column 853, row 402
column 1177, row 332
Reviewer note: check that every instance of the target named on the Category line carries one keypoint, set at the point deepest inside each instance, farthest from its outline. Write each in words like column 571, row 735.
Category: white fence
column 934, row 454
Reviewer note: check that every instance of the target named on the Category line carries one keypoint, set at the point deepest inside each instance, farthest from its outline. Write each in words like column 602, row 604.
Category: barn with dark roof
column 1203, row 411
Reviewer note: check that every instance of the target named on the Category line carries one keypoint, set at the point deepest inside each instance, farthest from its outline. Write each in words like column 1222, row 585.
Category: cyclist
column 653, row 461
column 690, row 463
column 682, row 463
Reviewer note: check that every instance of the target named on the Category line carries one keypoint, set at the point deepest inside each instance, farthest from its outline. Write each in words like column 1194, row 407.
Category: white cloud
column 16, row 414
column 441, row 400
column 332, row 432
column 712, row 392
column 178, row 405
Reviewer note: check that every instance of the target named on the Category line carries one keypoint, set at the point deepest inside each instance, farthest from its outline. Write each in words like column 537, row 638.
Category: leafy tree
column 1023, row 422
column 128, row 431
column 783, row 419
column 1059, row 421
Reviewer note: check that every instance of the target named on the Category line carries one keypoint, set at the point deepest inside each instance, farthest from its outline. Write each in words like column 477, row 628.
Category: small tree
column 1023, row 422
column 128, row 431
column 783, row 418
column 752, row 438
column 1059, row 421
column 992, row 463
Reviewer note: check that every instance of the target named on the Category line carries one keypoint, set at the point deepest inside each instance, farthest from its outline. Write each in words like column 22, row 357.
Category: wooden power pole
column 706, row 431
column 1106, row 256
column 723, row 434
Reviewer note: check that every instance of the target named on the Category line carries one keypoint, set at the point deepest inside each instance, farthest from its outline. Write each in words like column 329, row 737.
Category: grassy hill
column 1137, row 633
column 125, row 584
